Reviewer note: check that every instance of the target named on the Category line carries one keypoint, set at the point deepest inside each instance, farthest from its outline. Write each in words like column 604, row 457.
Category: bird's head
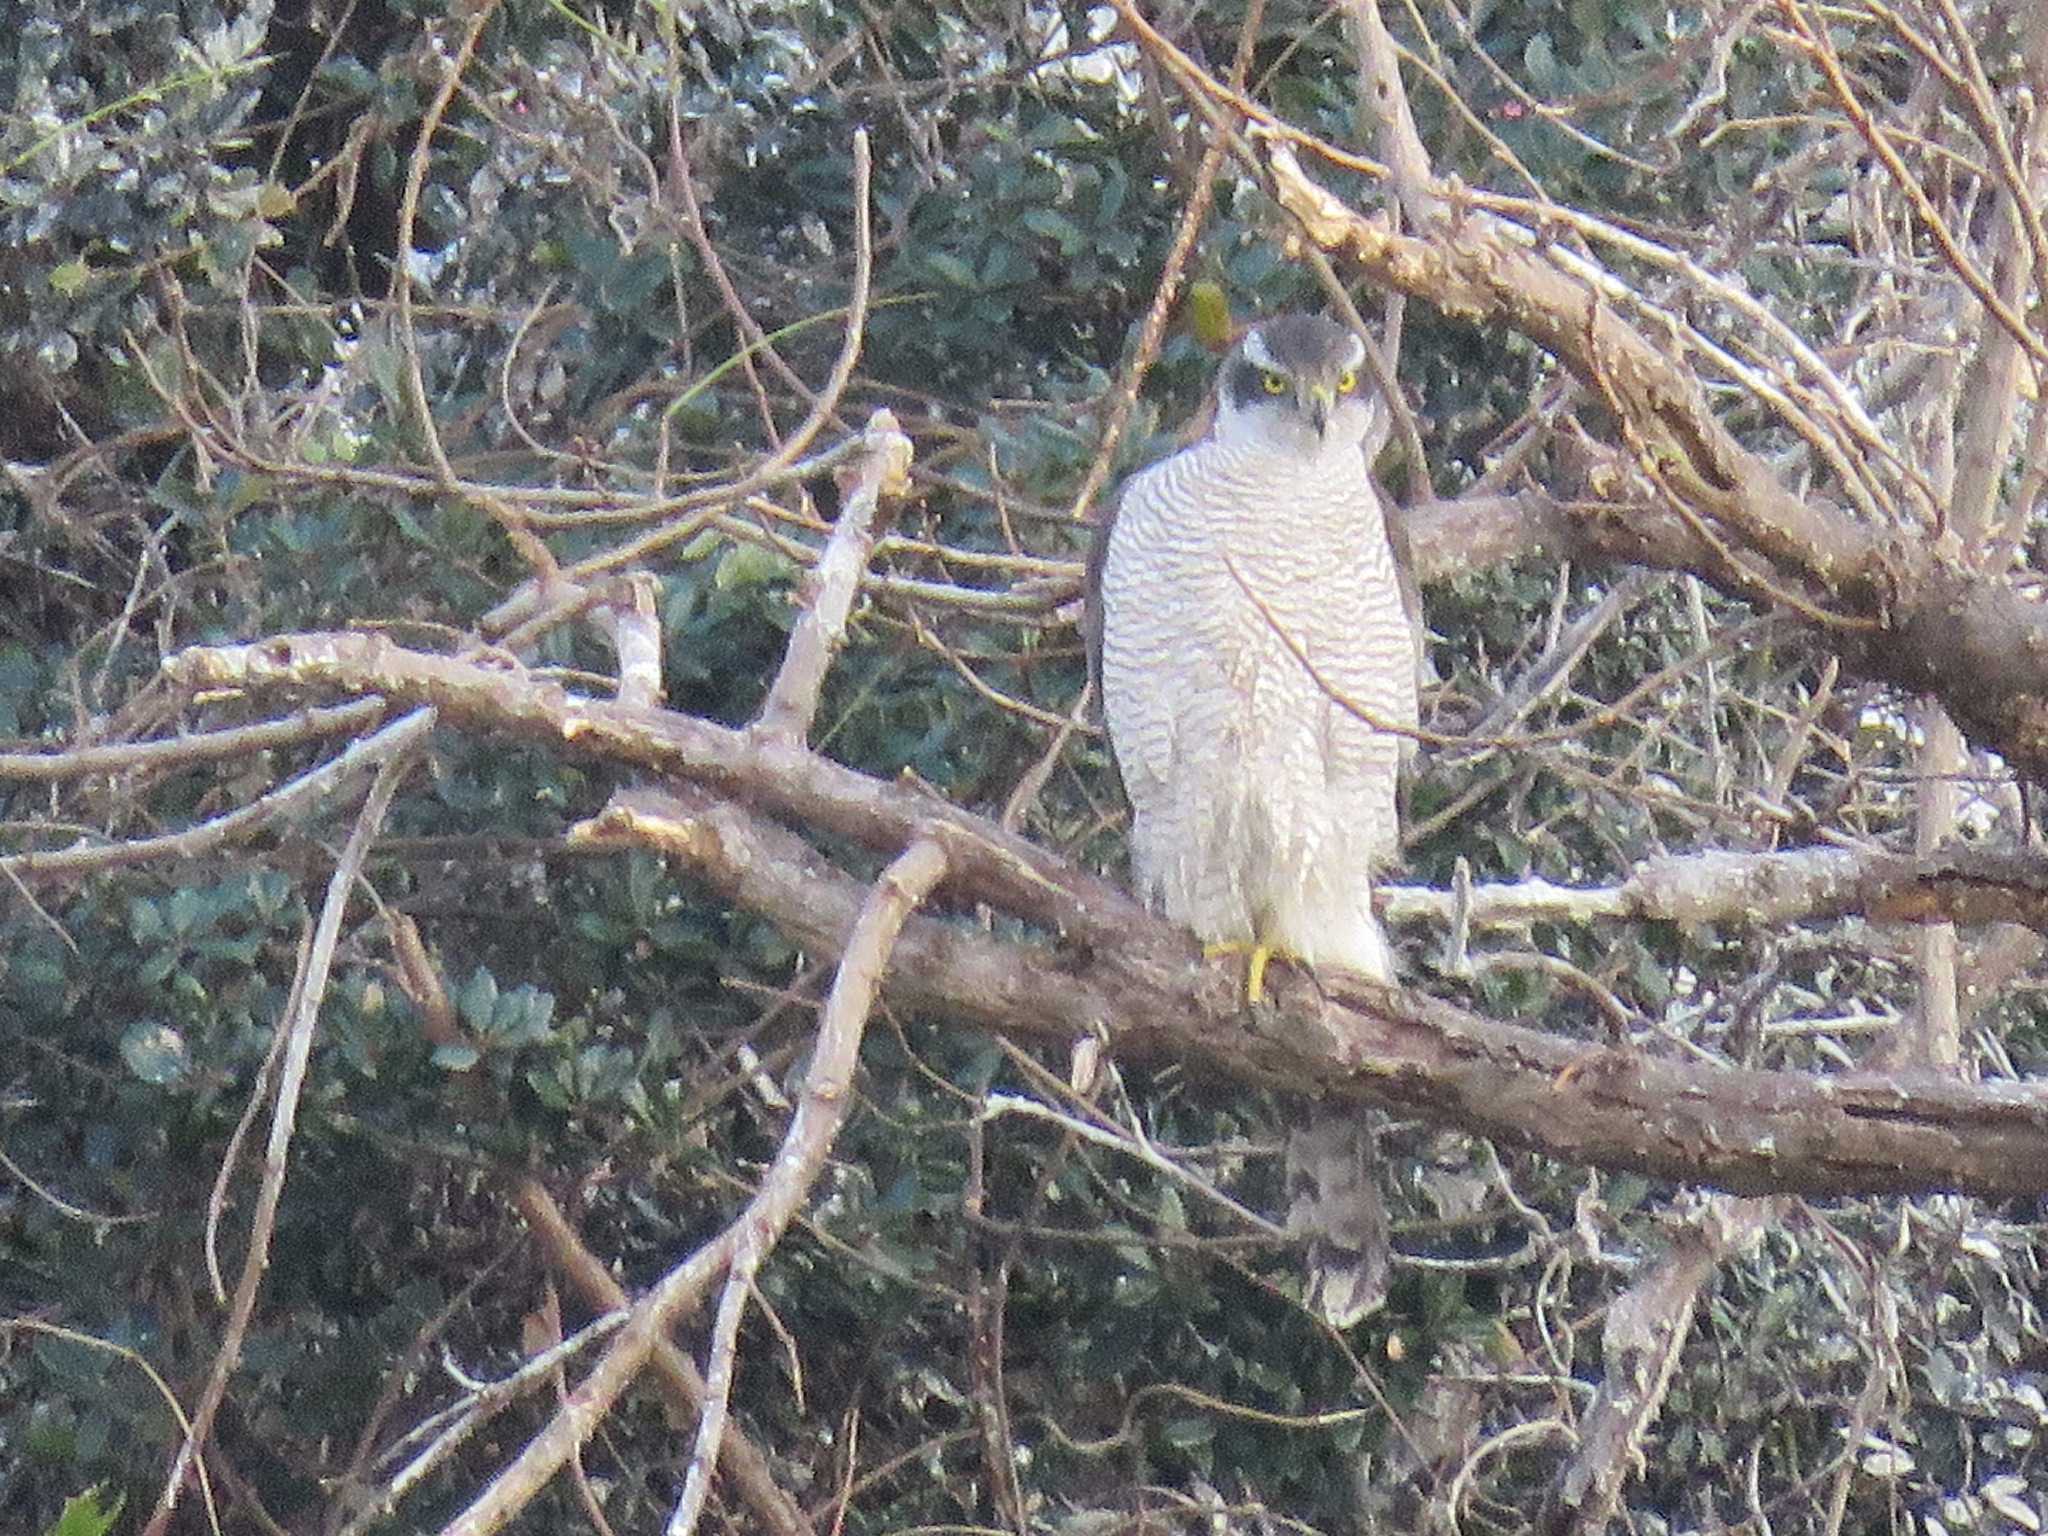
column 1299, row 382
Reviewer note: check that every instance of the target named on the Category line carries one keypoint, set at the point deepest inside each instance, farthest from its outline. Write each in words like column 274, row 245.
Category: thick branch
column 1960, row 886
column 1898, row 608
column 1743, row 1130
column 1118, row 967
column 783, row 777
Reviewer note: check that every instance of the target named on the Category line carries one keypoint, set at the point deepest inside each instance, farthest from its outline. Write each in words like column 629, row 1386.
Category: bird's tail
column 1333, row 1181
column 1332, row 1166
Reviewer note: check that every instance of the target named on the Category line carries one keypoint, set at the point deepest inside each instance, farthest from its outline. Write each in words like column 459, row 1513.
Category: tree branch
column 740, row 1459
column 830, row 587
column 1116, row 964
column 1960, row 886
column 1898, row 608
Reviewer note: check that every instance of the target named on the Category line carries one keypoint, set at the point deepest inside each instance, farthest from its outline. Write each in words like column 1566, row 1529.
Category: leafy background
column 199, row 223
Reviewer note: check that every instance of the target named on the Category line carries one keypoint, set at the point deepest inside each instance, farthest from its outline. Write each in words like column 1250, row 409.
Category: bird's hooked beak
column 1320, row 402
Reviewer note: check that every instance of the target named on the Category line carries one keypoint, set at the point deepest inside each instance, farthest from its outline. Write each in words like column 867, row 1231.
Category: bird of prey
column 1258, row 670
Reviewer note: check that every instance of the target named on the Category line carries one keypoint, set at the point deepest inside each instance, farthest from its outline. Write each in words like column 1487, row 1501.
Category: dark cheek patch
column 1243, row 382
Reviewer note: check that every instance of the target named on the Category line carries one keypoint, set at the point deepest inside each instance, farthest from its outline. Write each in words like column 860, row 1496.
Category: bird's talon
column 1260, row 955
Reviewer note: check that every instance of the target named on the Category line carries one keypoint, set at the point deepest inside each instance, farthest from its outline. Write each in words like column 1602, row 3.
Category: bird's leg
column 1261, row 955
column 1255, row 973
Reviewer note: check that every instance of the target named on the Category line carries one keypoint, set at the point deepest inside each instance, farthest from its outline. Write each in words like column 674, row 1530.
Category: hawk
column 1258, row 672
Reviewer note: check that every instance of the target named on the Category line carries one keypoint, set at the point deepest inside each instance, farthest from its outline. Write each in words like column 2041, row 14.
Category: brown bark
column 1110, row 964
column 1640, row 1347
column 1897, row 605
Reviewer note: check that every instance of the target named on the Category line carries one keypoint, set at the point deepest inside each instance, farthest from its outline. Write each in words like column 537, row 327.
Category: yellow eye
column 1275, row 383
column 1347, row 381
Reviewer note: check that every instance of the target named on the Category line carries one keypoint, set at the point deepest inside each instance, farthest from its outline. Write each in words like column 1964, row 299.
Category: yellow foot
column 1255, row 969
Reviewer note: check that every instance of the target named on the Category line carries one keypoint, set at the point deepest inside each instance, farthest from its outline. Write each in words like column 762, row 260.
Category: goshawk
column 1258, row 666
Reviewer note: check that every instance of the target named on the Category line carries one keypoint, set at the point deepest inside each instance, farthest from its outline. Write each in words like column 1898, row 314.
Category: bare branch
column 819, row 1113
column 828, row 1091
column 1962, row 886
column 1400, row 145
column 1822, row 51
column 634, row 628
column 1117, row 964
column 677, row 1374
column 1194, row 216
column 294, row 800
column 1640, row 1347
column 400, row 740
column 510, row 519
column 831, row 586
column 182, row 751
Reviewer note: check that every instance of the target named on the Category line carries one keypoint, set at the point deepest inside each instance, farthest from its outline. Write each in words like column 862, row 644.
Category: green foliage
column 118, row 156
column 86, row 1515
column 198, row 229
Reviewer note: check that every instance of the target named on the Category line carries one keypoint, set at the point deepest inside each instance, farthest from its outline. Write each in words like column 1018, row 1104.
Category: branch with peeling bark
column 1640, row 1347
column 1959, row 886
column 1898, row 607
column 1108, row 961
column 830, row 588
column 1897, row 604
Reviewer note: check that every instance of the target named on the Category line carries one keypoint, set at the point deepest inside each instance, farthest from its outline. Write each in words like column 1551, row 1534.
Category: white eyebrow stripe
column 1254, row 347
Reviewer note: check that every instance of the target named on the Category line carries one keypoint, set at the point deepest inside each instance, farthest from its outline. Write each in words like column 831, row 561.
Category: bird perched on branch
column 1258, row 673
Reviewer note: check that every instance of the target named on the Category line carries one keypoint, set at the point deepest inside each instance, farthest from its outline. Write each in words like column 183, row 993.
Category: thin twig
column 183, row 751
column 531, row 549
column 447, row 1430
column 141, row 1363
column 828, row 1090
column 1187, row 230
column 1132, row 1144
column 279, row 805
column 303, row 1008
column 1822, row 51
